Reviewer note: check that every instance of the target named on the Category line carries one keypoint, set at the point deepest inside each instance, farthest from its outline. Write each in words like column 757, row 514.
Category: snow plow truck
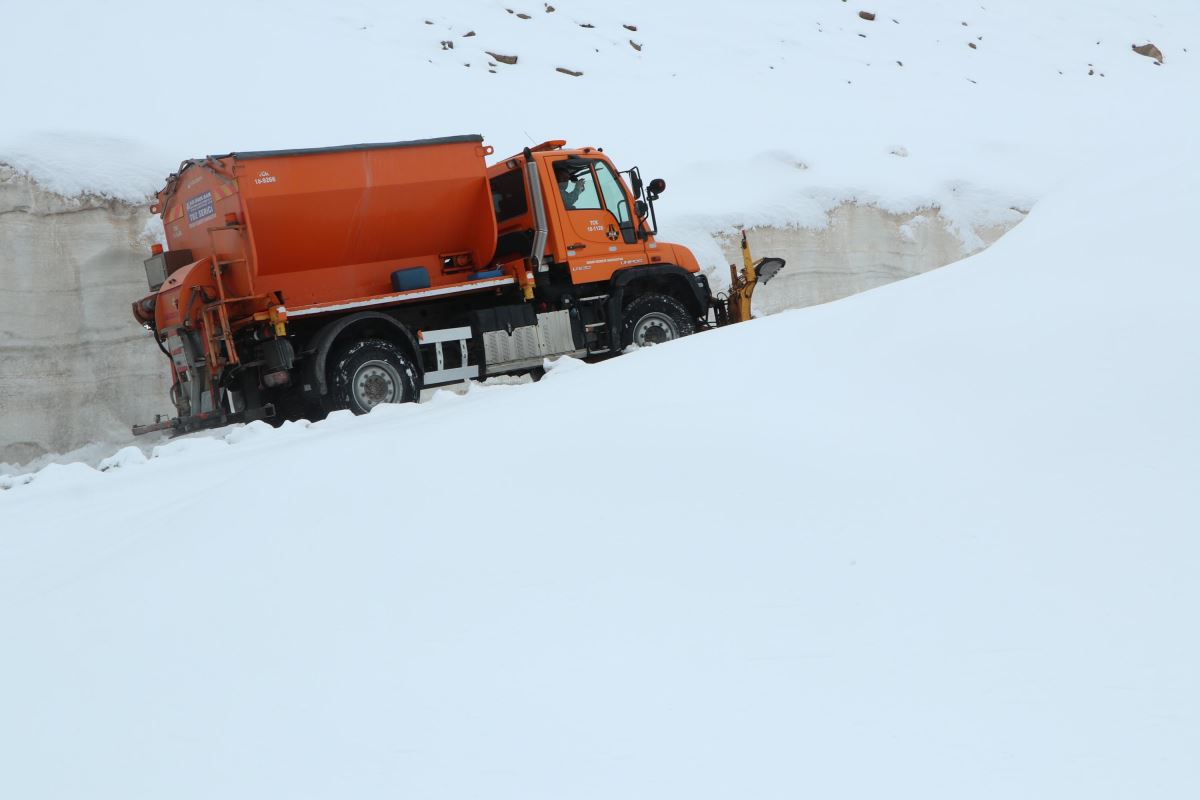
column 297, row 282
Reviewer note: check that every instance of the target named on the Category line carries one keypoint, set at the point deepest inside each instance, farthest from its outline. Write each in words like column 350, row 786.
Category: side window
column 576, row 186
column 614, row 196
column 508, row 195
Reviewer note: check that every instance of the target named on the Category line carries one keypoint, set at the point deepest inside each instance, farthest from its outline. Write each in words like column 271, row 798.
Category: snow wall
column 75, row 367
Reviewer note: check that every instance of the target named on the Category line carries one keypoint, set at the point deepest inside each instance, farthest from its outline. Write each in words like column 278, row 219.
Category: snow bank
column 75, row 368
column 936, row 540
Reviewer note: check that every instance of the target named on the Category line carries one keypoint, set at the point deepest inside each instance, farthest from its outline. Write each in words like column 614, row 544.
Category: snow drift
column 936, row 540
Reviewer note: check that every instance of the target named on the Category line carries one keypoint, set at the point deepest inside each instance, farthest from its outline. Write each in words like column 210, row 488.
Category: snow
column 937, row 540
column 763, row 112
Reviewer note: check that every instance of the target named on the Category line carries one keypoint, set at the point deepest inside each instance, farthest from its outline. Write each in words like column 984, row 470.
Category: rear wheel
column 653, row 319
column 370, row 372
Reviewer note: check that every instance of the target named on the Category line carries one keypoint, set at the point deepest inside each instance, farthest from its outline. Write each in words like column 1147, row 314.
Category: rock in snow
column 1149, row 50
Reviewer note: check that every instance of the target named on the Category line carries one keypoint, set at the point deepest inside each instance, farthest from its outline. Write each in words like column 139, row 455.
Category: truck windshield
column 576, row 187
column 614, row 195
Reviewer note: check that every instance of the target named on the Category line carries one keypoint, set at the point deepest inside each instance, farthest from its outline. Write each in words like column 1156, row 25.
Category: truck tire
column 369, row 372
column 653, row 319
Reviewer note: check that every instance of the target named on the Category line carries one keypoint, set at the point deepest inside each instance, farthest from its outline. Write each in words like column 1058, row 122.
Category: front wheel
column 653, row 319
column 366, row 373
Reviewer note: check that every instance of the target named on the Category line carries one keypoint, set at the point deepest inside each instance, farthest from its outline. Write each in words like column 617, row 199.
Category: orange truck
column 297, row 282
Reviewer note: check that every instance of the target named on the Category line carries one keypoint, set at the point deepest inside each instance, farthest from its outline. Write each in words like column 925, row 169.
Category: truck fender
column 692, row 289
column 320, row 345
column 693, row 286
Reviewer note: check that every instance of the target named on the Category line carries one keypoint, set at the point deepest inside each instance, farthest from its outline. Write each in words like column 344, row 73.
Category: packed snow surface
column 757, row 112
column 933, row 541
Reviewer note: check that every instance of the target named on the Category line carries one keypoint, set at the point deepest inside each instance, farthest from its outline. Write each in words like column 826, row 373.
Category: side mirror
column 657, row 187
column 637, row 185
column 642, row 209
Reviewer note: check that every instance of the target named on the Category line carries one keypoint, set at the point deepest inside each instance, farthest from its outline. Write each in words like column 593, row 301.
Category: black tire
column 370, row 372
column 653, row 319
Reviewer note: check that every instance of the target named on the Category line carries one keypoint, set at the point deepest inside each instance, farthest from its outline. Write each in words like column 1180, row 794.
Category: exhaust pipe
column 539, row 214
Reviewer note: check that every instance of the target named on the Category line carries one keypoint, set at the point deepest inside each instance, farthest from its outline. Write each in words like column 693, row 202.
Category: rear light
column 231, row 218
column 155, row 249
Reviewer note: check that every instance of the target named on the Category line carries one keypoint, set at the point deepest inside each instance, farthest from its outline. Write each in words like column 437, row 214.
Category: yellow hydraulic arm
column 743, row 283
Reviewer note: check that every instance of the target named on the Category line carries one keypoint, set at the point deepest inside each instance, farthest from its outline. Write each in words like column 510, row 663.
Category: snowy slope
column 934, row 541
column 760, row 112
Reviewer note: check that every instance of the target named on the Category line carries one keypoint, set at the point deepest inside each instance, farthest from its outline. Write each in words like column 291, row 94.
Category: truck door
column 597, row 219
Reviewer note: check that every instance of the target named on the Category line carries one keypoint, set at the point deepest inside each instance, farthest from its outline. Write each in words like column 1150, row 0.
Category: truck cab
column 601, row 232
